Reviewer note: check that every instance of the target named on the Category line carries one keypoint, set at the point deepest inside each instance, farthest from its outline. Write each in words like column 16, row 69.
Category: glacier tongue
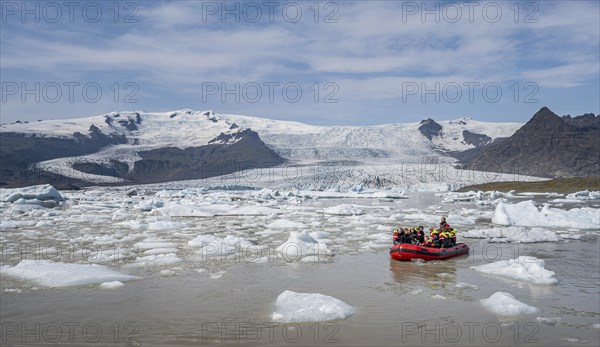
column 379, row 156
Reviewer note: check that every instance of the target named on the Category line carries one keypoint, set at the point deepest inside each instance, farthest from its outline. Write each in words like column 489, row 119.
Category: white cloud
column 368, row 52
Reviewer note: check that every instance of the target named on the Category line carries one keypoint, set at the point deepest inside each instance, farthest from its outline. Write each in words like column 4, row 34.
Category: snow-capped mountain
column 403, row 142
column 142, row 147
column 129, row 147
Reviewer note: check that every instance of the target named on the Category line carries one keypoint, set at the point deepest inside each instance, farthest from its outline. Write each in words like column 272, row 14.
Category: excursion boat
column 407, row 252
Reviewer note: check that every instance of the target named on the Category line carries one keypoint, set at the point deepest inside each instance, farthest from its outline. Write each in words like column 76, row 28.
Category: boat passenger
column 443, row 223
column 443, row 238
column 396, row 237
column 414, row 235
column 420, row 235
column 453, row 236
column 434, row 238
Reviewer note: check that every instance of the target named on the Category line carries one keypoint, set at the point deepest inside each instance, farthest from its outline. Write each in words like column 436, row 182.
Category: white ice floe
column 51, row 274
column 188, row 208
column 302, row 246
column 548, row 320
column 217, row 274
column 379, row 240
column 41, row 193
column 286, row 224
column 320, row 236
column 504, row 304
column 585, row 195
column 309, row 307
column 149, row 205
column 578, row 340
column 344, row 210
column 14, row 224
column 159, row 259
column 462, row 285
column 579, row 197
column 167, row 272
column 112, row 284
column 210, row 245
column 513, row 234
column 526, row 213
column 166, row 225
column 457, row 219
column 524, row 268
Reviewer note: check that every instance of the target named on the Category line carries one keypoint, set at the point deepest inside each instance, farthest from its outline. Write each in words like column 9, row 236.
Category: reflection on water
column 432, row 273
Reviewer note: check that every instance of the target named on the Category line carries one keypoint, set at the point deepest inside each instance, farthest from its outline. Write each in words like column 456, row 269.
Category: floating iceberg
column 524, row 268
column 309, row 307
column 302, row 246
column 513, row 234
column 504, row 304
column 210, row 245
column 51, row 274
column 344, row 210
column 527, row 214
column 42, row 193
column 112, row 284
column 286, row 224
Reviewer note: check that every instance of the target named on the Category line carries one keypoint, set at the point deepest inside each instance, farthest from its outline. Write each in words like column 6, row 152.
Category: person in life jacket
column 443, row 238
column 420, row 235
column 453, row 236
column 399, row 236
column 396, row 237
column 434, row 238
column 414, row 235
column 407, row 236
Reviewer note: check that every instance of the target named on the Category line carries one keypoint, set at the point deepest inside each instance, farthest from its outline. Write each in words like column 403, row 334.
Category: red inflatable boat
column 407, row 251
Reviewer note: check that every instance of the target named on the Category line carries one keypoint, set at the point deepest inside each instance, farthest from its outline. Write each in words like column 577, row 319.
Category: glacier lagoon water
column 225, row 292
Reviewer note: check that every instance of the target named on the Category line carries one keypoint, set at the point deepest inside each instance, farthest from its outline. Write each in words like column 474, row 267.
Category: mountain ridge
column 139, row 147
column 546, row 146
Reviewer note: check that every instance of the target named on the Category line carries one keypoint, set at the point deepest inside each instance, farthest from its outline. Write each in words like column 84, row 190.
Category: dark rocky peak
column 585, row 122
column 461, row 121
column 129, row 124
column 101, row 139
column 545, row 122
column 429, row 128
column 233, row 137
column 475, row 139
column 95, row 132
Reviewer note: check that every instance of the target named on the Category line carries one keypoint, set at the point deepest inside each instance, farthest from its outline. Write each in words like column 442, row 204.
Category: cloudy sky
column 337, row 62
